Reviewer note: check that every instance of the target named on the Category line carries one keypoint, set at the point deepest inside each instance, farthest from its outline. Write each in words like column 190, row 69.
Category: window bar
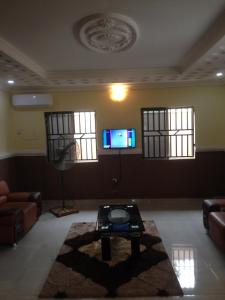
column 165, row 122
column 56, row 148
column 81, row 149
column 192, row 144
column 148, row 139
column 94, row 123
column 70, row 150
column 187, row 145
column 153, row 146
column 71, row 123
column 176, row 145
column 57, row 123
column 160, row 145
column 148, row 115
column 73, row 118
column 189, row 154
column 165, row 146
column 144, row 120
column 90, row 121
column 193, row 125
column 169, row 117
column 79, row 123
column 48, row 124
column 187, row 118
column 153, row 116
column 159, row 116
column 86, row 148
column 64, row 145
column 49, row 147
column 52, row 154
column 85, row 120
column 190, row 113
column 166, row 133
column 176, row 125
column 87, row 142
column 74, row 149
column 68, row 122
column 63, row 128
column 92, row 154
column 182, row 153
column 181, row 118
column 51, row 124
column 90, row 146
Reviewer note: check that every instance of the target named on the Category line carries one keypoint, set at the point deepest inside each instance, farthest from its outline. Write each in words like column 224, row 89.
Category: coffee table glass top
column 119, row 218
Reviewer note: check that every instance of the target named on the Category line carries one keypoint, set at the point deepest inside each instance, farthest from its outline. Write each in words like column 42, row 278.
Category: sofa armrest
column 9, row 216
column 26, row 197
column 18, row 197
column 36, row 197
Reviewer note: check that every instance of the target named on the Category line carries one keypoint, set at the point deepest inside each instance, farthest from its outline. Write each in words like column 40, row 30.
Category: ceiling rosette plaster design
column 107, row 33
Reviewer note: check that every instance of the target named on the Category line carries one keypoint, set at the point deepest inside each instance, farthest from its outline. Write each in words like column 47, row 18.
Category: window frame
column 169, row 156
column 77, row 160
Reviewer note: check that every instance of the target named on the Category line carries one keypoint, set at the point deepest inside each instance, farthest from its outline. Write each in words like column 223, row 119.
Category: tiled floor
column 199, row 265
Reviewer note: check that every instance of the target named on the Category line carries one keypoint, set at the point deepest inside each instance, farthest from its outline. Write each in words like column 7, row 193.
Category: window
column 72, row 134
column 168, row 133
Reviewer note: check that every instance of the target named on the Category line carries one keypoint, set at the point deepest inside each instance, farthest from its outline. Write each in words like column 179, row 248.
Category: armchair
column 18, row 212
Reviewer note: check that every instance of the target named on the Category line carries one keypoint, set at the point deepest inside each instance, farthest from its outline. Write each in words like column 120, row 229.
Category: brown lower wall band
column 138, row 178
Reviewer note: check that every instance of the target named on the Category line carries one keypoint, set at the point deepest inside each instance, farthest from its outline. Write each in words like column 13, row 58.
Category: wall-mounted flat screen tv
column 119, row 138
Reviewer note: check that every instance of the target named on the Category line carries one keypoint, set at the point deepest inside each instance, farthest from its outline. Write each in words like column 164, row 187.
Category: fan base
column 63, row 211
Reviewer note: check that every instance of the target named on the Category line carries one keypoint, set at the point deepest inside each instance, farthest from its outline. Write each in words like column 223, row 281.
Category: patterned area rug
column 79, row 271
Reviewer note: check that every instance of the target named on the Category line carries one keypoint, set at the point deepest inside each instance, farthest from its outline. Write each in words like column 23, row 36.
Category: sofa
column 214, row 220
column 18, row 213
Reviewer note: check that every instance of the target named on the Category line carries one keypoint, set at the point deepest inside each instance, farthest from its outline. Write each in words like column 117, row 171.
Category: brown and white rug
column 79, row 271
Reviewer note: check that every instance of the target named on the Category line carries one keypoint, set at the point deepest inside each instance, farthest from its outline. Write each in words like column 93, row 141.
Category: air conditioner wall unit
column 32, row 100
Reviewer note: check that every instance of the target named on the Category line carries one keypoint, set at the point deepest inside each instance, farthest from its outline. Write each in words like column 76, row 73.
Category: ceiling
column 177, row 42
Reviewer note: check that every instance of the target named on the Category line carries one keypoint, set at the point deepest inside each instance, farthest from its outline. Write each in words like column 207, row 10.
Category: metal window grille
column 168, row 133
column 71, row 128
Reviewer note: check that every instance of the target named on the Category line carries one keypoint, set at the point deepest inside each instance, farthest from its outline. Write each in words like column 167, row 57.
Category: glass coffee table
column 119, row 219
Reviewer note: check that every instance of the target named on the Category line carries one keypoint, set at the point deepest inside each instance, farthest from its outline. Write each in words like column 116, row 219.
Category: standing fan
column 63, row 151
column 62, row 165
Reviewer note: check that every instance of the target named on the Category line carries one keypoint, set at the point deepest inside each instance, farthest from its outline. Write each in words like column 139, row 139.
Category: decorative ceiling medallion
column 107, row 33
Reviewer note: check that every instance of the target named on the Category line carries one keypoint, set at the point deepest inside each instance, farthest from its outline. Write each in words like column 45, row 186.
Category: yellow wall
column 5, row 124
column 28, row 129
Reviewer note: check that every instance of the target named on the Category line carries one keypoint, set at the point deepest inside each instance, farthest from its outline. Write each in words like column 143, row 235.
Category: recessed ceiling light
column 11, row 81
column 219, row 74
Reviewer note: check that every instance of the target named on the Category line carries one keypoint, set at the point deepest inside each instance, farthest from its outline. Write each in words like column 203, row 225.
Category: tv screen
column 119, row 138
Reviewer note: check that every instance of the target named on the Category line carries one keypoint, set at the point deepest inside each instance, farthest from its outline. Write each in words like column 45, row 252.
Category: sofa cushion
column 3, row 199
column 4, row 189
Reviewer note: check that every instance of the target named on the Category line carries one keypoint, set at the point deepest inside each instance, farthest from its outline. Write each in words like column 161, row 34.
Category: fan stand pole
column 62, row 188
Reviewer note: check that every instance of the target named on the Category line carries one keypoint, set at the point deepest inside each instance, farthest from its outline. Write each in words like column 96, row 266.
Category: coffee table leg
column 106, row 251
column 135, row 246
